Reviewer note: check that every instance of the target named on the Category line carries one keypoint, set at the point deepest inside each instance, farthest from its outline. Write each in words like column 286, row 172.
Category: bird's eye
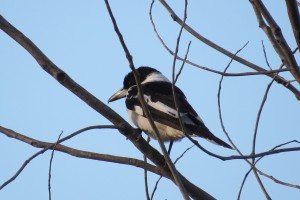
column 129, row 94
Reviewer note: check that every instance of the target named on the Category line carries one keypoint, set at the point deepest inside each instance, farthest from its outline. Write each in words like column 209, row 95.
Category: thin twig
column 177, row 159
column 183, row 62
column 246, row 175
column 146, row 176
column 227, row 135
column 175, row 162
column 255, row 133
column 274, row 179
column 256, row 128
column 261, row 107
column 265, row 54
column 155, row 187
column 255, row 136
column 219, row 101
column 50, row 165
column 243, row 183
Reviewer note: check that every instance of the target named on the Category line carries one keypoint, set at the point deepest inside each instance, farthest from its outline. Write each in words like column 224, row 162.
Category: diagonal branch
column 268, row 31
column 287, row 56
column 293, row 12
column 74, row 152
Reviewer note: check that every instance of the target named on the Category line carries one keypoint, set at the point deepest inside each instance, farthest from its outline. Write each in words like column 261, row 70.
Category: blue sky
column 78, row 37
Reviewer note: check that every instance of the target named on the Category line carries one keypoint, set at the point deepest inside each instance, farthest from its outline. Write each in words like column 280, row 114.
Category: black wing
column 160, row 101
column 159, row 98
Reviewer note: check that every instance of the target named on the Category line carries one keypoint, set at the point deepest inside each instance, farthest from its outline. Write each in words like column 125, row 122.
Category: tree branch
column 285, row 51
column 293, row 12
column 247, row 173
column 50, row 166
column 74, row 152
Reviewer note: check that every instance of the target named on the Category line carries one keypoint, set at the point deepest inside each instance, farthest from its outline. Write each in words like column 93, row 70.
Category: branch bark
column 287, row 56
column 293, row 12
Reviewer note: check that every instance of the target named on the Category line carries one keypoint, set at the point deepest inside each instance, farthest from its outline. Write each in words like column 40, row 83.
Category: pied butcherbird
column 158, row 96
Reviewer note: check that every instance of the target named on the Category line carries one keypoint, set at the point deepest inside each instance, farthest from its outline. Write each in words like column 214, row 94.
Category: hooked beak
column 118, row 95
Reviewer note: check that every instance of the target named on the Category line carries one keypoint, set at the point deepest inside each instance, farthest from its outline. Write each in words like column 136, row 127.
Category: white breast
column 166, row 132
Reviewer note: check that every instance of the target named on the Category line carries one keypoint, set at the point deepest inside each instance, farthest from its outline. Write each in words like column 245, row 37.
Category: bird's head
column 146, row 74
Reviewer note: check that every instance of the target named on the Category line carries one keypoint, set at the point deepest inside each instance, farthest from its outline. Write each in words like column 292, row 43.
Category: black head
column 143, row 72
column 129, row 81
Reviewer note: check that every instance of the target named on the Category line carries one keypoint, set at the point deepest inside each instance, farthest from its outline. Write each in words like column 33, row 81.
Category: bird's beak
column 118, row 95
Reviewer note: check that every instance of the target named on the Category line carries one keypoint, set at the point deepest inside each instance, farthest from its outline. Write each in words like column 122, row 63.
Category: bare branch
column 293, row 13
column 258, row 116
column 255, row 136
column 146, row 176
column 177, row 159
column 285, row 52
column 243, row 183
column 184, row 61
column 268, row 32
column 265, row 54
column 155, row 187
column 219, row 100
column 261, row 107
column 246, row 175
column 253, row 153
column 50, row 165
column 256, row 128
column 279, row 181
column 74, row 152
column 223, row 127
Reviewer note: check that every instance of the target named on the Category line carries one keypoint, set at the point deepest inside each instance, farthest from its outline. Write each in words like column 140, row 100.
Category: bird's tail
column 204, row 132
column 218, row 141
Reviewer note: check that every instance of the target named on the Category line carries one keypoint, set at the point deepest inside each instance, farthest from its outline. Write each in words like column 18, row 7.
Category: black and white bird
column 158, row 95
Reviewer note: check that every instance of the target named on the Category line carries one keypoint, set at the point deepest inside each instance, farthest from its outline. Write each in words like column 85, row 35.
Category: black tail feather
column 218, row 141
